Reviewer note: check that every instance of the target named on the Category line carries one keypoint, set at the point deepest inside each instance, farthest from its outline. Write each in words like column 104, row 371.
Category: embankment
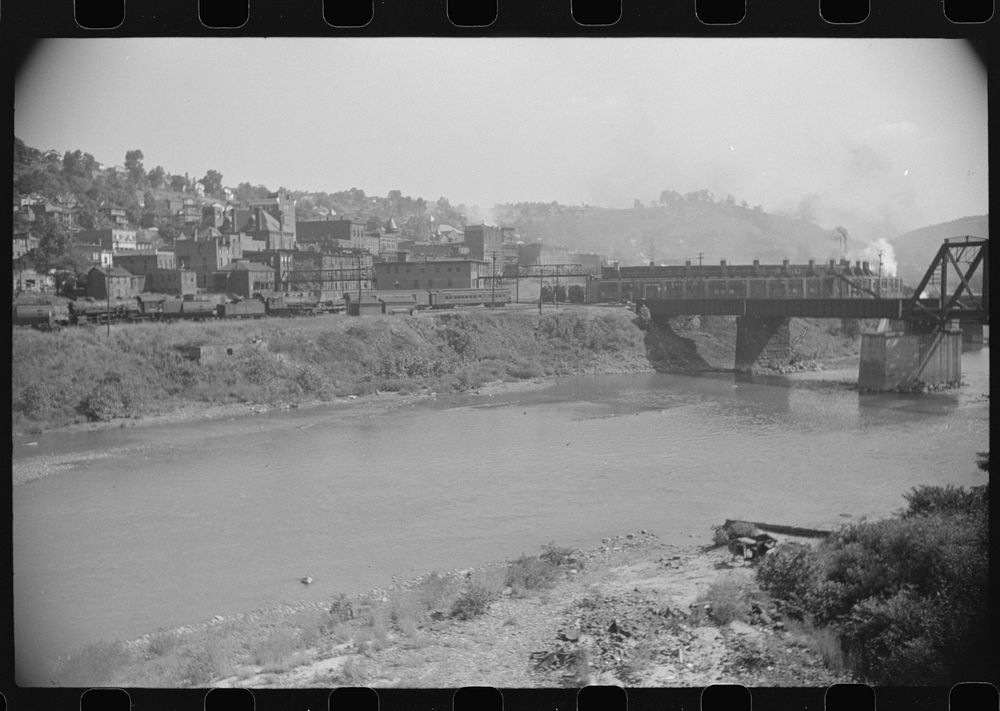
column 142, row 370
column 147, row 370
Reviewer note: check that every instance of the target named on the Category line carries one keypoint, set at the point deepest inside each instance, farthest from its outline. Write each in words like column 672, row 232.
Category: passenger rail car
column 450, row 298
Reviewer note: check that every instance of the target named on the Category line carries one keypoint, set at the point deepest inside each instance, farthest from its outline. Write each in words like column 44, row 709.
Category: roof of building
column 246, row 267
column 112, row 271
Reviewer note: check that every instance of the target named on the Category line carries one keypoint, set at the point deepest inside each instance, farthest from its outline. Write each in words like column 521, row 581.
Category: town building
column 208, row 255
column 33, row 281
column 432, row 274
column 113, row 238
column 93, row 253
column 178, row 282
column 102, row 281
column 334, row 229
column 23, row 243
column 488, row 243
column 145, row 262
column 243, row 278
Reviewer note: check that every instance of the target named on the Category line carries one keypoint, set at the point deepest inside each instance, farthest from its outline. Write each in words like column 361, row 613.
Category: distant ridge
column 915, row 249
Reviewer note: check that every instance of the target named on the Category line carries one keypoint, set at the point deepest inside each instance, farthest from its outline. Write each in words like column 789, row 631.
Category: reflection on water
column 218, row 518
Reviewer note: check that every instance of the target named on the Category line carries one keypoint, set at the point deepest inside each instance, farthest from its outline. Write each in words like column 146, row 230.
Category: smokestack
column 864, row 268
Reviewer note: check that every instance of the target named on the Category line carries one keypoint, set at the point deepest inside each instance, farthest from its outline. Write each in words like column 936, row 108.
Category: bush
column 113, row 397
column 559, row 556
column 530, row 573
column 275, row 649
column 727, row 599
column 790, row 572
column 924, row 500
column 908, row 595
column 472, row 602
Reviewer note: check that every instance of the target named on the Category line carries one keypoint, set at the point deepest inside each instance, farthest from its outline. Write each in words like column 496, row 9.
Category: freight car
column 197, row 310
column 248, row 308
column 450, row 298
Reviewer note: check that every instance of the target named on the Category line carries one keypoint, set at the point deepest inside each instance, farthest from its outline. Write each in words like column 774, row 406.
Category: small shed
column 401, row 304
column 366, row 305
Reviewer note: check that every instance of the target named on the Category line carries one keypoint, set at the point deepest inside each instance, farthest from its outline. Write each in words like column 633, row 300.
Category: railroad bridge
column 921, row 338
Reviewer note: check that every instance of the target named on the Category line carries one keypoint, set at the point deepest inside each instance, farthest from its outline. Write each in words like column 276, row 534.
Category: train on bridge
column 834, row 280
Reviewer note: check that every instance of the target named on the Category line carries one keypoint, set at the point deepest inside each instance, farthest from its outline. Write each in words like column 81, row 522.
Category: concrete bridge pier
column 911, row 360
column 972, row 335
column 762, row 344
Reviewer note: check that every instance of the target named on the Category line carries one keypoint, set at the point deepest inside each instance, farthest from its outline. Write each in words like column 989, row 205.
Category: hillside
column 677, row 230
column 916, row 249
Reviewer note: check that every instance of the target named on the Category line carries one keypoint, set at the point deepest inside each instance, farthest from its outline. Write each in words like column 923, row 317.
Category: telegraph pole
column 878, row 289
column 493, row 282
column 541, row 283
column 700, row 255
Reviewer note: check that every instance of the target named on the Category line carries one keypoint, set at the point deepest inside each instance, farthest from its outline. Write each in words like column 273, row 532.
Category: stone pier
column 762, row 344
column 895, row 360
column 972, row 335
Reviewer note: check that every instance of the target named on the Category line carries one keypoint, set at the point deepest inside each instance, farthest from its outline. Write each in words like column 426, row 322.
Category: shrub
column 924, row 500
column 559, row 556
column 472, row 602
column 727, row 599
column 907, row 595
column 790, row 572
column 207, row 663
column 275, row 649
column 162, row 643
column 113, row 397
column 530, row 573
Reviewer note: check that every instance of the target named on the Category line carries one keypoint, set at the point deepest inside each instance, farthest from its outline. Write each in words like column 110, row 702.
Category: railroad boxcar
column 176, row 309
column 249, row 308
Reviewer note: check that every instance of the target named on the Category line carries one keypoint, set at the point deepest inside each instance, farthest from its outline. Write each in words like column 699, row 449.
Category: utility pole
column 541, row 283
column 107, row 293
column 700, row 255
column 358, row 254
column 878, row 289
column 493, row 282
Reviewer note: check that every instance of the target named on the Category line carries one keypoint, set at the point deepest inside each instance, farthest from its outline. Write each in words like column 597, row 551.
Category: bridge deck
column 785, row 308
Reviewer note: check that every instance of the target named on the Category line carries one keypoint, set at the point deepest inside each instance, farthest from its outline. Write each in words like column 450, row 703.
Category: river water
column 160, row 526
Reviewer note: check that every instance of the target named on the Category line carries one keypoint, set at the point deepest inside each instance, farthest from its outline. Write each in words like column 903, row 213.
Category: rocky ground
column 631, row 612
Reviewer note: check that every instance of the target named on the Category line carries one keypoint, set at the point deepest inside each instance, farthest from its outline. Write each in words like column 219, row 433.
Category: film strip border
column 971, row 19
column 841, row 697
column 222, row 18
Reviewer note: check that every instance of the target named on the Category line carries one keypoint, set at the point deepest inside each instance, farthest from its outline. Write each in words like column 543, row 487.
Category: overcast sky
column 879, row 135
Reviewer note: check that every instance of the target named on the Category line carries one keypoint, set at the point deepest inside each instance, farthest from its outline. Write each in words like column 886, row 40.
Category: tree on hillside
column 133, row 164
column 212, row 182
column 178, row 183
column 24, row 154
column 156, row 177
column 73, row 162
column 55, row 247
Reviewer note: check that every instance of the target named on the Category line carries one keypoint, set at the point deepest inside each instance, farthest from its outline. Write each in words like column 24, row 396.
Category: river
column 155, row 527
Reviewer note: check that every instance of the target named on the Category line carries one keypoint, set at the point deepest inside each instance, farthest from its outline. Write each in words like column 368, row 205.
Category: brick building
column 207, row 256
column 243, row 279
column 102, row 281
column 431, row 274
